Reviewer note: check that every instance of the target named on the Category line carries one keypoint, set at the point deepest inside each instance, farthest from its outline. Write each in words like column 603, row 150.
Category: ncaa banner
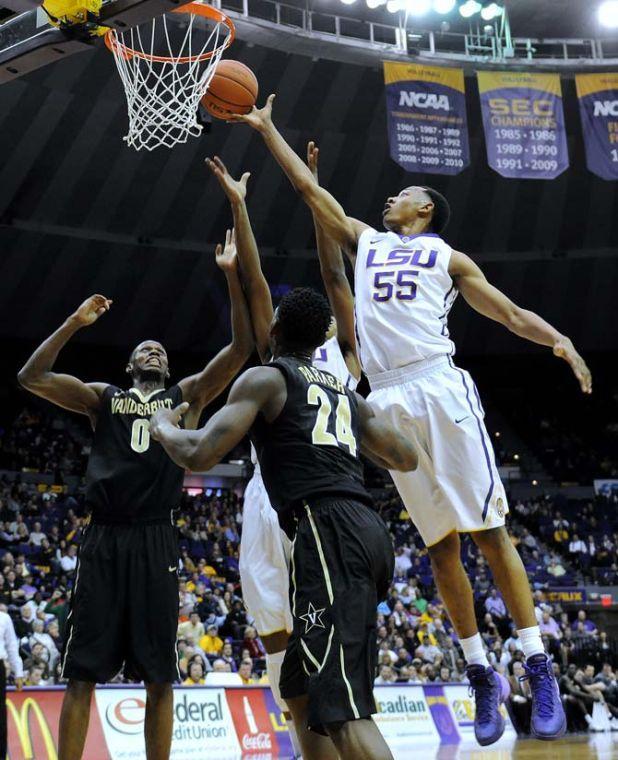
column 524, row 124
column 598, row 108
column 426, row 116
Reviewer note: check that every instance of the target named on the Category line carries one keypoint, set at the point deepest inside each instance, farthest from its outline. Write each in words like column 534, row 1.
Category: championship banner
column 598, row 108
column 426, row 115
column 524, row 124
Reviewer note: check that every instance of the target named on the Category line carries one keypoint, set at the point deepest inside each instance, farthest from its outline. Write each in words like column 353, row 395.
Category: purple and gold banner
column 524, row 124
column 598, row 106
column 426, row 114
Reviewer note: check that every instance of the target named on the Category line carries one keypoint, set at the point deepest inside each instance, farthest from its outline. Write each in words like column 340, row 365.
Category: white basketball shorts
column 264, row 562
column 456, row 486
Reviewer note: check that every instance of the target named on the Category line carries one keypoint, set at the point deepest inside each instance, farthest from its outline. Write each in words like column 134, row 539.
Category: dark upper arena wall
column 82, row 212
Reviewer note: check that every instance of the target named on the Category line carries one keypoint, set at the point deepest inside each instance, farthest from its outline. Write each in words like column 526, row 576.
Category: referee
column 11, row 662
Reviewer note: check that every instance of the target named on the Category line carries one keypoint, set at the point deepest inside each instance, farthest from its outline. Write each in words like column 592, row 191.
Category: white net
column 166, row 67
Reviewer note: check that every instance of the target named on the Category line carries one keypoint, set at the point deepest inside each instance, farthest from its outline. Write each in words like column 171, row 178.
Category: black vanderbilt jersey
column 313, row 447
column 130, row 478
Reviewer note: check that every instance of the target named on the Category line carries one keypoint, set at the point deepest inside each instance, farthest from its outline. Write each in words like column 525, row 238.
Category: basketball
column 233, row 89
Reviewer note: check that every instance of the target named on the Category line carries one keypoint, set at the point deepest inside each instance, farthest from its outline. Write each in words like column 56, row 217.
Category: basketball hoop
column 165, row 71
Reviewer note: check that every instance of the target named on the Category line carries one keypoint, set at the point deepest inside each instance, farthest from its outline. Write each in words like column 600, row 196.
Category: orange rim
column 195, row 9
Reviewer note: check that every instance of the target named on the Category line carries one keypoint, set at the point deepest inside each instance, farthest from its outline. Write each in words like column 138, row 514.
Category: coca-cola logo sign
column 256, row 741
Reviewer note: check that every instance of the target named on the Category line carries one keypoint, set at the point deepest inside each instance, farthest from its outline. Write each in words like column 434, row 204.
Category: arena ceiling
column 529, row 18
column 80, row 212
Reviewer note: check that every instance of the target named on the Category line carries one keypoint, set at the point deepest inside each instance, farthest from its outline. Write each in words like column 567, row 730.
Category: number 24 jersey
column 313, row 447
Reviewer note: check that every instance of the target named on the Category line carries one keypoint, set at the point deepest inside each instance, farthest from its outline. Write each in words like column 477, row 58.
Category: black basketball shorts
column 341, row 567
column 124, row 609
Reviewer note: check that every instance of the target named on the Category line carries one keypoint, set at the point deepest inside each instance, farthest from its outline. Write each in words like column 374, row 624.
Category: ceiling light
column 443, row 6
column 608, row 14
column 418, row 7
column 348, row 2
column 469, row 8
column 375, row 3
column 491, row 11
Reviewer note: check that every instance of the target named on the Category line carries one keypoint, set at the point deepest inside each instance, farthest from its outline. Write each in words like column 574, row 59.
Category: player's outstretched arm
column 66, row 391
column 258, row 389
column 492, row 303
column 253, row 280
column 382, row 443
column 338, row 290
column 200, row 389
column 344, row 229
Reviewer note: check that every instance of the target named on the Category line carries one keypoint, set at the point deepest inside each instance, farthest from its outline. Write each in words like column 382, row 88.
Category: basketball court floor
column 575, row 747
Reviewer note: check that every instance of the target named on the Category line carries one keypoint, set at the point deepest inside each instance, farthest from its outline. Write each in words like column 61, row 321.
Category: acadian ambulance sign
column 426, row 114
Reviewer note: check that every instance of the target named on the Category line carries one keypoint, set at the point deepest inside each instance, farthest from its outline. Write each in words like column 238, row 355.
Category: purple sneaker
column 490, row 691
column 548, row 719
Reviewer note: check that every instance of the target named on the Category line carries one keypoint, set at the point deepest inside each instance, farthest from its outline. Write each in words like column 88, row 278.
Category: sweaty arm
column 492, row 303
column 69, row 392
column 343, row 229
column 338, row 290
column 200, row 389
column 382, row 443
column 260, row 389
column 253, row 280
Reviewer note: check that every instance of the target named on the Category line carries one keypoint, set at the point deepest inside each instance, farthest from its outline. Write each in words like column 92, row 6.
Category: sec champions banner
column 426, row 115
column 524, row 124
column 598, row 107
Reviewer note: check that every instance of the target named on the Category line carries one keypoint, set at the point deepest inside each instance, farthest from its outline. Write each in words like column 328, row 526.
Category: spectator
column 556, row 569
column 387, row 676
column 520, row 698
column 582, row 619
column 68, row 561
column 577, row 546
column 196, row 674
column 253, row 644
column 192, row 627
column 210, row 643
column 37, row 536
column 245, row 671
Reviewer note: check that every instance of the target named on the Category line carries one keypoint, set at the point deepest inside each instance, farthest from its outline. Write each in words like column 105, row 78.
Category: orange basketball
column 233, row 89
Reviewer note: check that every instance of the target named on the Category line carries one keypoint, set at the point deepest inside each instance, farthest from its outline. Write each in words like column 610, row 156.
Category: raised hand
column 226, row 254
column 312, row 159
column 258, row 118
column 565, row 349
column 92, row 309
column 235, row 189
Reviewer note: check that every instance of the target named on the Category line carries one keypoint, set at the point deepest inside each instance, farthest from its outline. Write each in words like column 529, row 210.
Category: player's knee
column 493, row 540
column 443, row 553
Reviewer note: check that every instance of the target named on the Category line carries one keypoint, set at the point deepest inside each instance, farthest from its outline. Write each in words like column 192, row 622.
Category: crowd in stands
column 561, row 543
column 40, row 442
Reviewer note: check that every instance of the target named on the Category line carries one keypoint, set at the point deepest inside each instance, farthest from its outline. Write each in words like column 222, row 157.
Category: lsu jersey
column 328, row 357
column 403, row 297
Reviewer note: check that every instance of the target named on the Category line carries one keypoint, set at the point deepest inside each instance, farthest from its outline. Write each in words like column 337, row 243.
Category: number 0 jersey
column 403, row 295
column 313, row 447
column 130, row 478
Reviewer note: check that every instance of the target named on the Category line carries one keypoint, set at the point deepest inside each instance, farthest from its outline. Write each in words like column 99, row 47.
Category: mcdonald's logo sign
column 22, row 717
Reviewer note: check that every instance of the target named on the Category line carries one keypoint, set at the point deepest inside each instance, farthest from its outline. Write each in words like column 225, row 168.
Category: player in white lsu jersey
column 406, row 281
column 264, row 548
